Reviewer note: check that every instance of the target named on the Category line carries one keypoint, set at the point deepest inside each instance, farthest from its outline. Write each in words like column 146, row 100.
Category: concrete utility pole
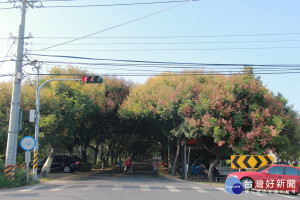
column 13, row 129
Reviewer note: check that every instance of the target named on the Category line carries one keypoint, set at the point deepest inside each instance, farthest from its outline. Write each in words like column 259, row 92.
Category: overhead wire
column 176, row 36
column 158, row 66
column 157, row 62
column 7, row 53
column 173, row 74
column 118, row 4
column 116, row 26
column 167, row 49
column 175, row 43
column 156, row 71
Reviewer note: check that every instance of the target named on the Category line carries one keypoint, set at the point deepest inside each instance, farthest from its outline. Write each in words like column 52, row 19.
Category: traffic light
column 92, row 79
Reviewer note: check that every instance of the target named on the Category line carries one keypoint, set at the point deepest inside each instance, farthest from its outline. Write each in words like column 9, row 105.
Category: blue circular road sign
column 28, row 143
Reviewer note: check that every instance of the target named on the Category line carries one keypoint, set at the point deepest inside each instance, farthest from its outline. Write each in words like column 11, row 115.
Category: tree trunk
column 112, row 156
column 176, row 157
column 213, row 166
column 46, row 168
column 95, row 155
column 83, row 154
column 101, row 152
column 214, row 151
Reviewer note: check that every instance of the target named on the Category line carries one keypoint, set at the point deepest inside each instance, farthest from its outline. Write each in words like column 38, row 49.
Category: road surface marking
column 89, row 187
column 32, row 188
column 145, row 188
column 198, row 189
column 172, row 189
column 222, row 189
column 59, row 188
column 259, row 194
column 287, row 196
column 117, row 187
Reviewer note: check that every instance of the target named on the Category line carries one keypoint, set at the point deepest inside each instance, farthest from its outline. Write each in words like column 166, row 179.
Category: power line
column 162, row 62
column 107, row 5
column 167, row 66
column 4, row 75
column 173, row 74
column 174, row 43
column 6, row 8
column 134, row 50
column 119, row 25
column 57, row 0
column 7, row 53
column 176, row 36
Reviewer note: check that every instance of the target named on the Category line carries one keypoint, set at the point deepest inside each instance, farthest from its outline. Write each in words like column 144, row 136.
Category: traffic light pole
column 13, row 129
column 37, row 123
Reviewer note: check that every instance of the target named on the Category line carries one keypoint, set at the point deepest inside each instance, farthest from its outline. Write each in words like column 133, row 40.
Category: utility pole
column 13, row 129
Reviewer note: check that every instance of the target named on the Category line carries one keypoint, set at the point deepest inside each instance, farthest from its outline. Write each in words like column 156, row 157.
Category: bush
column 20, row 178
column 98, row 165
column 1, row 167
column 86, row 167
column 4, row 182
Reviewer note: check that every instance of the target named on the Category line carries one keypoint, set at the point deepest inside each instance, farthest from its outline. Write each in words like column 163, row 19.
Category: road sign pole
column 27, row 144
column 27, row 160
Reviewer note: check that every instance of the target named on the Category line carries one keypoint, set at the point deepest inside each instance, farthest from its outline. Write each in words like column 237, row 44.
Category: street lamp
column 37, row 124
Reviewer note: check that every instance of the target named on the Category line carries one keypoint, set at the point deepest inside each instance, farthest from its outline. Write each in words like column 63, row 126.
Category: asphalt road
column 141, row 185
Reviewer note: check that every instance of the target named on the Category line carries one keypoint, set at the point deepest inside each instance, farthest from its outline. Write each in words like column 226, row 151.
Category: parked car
column 271, row 177
column 66, row 163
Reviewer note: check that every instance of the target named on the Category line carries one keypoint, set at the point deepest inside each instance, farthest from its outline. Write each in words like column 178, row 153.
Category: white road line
column 222, row 189
column 89, row 187
column 259, row 194
column 117, row 187
column 198, row 189
column 290, row 197
column 59, row 188
column 145, row 188
column 172, row 189
column 31, row 188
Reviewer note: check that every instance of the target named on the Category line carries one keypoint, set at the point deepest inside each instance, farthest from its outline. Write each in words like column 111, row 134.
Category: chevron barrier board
column 250, row 161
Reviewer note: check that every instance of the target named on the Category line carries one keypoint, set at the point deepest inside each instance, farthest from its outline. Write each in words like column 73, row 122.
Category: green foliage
column 86, row 167
column 98, row 165
column 20, row 178
column 219, row 134
column 238, row 119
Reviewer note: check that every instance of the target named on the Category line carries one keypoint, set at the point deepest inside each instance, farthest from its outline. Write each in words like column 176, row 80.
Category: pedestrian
column 128, row 166
column 120, row 163
column 154, row 167
column 203, row 171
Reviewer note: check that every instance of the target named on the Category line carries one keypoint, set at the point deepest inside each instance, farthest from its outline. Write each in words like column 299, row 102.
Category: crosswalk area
column 145, row 188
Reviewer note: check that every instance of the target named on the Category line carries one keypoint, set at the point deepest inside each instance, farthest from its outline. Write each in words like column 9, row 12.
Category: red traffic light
column 92, row 79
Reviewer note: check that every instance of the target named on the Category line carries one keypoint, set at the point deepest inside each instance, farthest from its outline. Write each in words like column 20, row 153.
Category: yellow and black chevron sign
column 250, row 161
column 35, row 158
column 9, row 172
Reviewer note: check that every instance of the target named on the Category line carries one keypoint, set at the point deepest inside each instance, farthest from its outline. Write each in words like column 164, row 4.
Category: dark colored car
column 271, row 177
column 66, row 163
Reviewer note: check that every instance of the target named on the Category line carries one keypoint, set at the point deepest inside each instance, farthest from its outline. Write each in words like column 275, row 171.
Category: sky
column 213, row 35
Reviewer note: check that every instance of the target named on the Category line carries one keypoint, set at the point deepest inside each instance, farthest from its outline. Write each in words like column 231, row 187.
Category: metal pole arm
column 40, row 88
column 37, row 123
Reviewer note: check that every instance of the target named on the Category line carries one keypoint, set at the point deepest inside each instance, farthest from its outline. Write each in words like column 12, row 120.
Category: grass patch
column 213, row 183
column 47, row 179
column 20, row 178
